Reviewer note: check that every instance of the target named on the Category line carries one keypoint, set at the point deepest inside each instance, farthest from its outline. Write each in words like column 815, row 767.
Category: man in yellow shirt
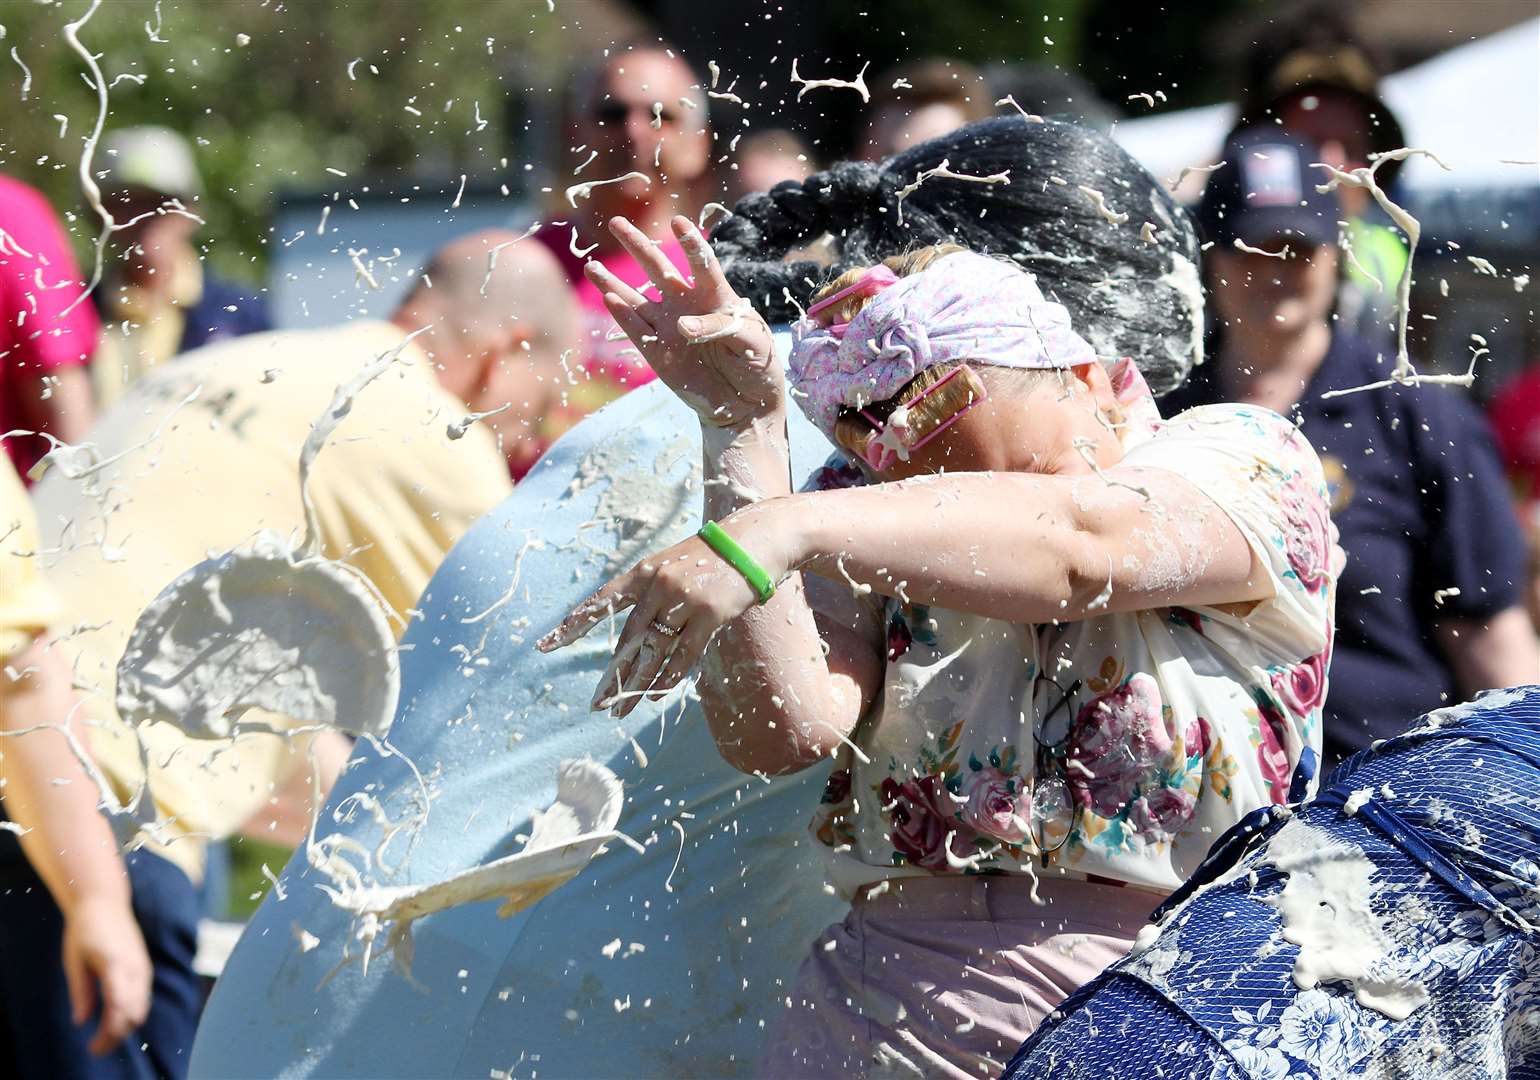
column 399, row 482
column 73, row 949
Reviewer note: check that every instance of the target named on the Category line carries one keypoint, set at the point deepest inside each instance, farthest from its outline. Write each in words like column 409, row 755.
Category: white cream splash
column 1325, row 910
column 944, row 171
column 586, row 189
column 565, row 837
column 858, row 84
column 1404, row 373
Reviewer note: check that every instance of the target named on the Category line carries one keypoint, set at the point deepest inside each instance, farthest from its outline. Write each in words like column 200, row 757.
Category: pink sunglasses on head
column 880, row 456
column 871, row 283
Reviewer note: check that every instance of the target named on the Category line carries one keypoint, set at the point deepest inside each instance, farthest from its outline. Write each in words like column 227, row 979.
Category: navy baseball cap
column 1266, row 190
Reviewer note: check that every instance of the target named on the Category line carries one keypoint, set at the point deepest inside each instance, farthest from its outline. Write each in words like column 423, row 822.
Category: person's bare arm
column 1019, row 547
column 1488, row 654
column 786, row 677
column 67, row 412
column 1025, row 548
column 48, row 795
column 794, row 675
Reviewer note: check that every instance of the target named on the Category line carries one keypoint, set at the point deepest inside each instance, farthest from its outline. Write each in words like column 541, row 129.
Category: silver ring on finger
column 664, row 629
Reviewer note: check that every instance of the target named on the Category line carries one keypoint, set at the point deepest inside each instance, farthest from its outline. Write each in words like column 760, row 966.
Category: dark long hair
column 1127, row 296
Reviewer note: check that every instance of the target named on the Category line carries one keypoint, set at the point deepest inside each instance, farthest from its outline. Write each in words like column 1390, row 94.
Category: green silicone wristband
column 733, row 554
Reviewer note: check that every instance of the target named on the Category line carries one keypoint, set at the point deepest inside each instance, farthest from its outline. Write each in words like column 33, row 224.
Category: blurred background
column 408, row 119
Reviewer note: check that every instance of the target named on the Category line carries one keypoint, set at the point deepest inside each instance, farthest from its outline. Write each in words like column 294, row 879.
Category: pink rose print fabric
column 1119, row 741
column 923, row 823
column 1308, row 536
column 998, row 806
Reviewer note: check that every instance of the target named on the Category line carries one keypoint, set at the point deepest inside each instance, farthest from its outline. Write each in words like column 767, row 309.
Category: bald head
column 496, row 313
column 486, row 282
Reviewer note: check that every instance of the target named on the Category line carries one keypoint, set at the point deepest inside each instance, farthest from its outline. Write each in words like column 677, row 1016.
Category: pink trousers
column 946, row 976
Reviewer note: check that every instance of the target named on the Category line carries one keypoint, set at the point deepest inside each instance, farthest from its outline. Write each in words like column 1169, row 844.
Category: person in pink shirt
column 638, row 109
column 45, row 343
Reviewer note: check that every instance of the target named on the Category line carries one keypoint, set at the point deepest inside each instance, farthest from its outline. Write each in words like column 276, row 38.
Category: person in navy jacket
column 1430, row 606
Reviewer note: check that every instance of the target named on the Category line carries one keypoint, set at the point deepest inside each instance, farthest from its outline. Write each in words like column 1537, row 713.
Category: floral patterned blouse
column 1119, row 746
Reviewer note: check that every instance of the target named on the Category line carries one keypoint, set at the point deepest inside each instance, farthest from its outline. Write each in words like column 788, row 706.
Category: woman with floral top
column 1056, row 644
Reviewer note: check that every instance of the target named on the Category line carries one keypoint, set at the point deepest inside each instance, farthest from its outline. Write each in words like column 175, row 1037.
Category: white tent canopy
column 1476, row 106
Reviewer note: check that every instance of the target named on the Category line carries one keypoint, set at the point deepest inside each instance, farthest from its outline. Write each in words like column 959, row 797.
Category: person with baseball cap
column 157, row 297
column 1312, row 73
column 1429, row 608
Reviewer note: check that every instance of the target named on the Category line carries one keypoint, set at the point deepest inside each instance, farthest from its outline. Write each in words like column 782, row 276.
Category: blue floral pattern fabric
column 1449, row 816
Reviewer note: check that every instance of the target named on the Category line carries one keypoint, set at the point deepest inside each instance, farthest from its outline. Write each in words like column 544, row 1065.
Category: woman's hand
column 704, row 340
column 680, row 598
column 106, row 963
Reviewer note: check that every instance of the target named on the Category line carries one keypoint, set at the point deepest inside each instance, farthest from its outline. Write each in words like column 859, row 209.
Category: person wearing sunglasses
column 1054, row 643
column 639, row 111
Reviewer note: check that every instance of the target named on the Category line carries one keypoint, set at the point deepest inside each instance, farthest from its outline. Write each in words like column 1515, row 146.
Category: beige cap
column 151, row 157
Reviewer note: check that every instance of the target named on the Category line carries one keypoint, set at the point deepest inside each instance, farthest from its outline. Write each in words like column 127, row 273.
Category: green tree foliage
column 272, row 97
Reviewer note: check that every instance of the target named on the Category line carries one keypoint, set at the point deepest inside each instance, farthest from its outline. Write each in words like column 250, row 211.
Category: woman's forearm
column 766, row 685
column 1021, row 547
column 47, row 792
column 744, row 465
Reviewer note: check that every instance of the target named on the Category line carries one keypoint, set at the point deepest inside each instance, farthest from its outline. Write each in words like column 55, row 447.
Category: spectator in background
column 46, row 338
column 156, row 296
column 74, row 950
column 1312, row 73
column 639, row 108
column 1429, row 608
column 765, row 159
column 921, row 100
column 1515, row 413
column 392, row 492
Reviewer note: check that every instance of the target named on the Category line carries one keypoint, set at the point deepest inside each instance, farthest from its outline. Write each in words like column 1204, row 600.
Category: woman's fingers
column 607, row 282
column 618, row 595
column 687, row 653
column 655, row 648
column 704, row 267
column 652, row 653
column 702, row 329
column 610, row 681
column 636, row 327
column 649, row 257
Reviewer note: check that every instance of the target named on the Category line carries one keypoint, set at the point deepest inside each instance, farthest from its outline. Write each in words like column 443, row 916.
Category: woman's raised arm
column 1021, row 547
column 786, row 685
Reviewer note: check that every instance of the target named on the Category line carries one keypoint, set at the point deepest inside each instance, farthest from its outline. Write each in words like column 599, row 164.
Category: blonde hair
column 852, row 429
